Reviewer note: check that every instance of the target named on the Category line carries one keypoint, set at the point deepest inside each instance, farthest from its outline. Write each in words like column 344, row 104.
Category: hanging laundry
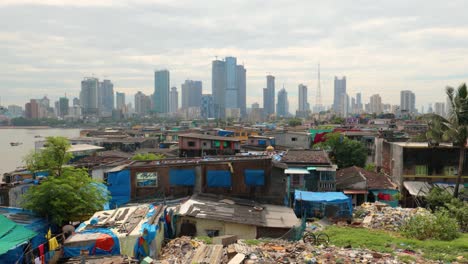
column 53, row 244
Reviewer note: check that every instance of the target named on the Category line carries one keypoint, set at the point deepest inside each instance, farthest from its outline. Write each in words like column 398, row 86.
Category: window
column 2, row 200
column 251, row 141
column 294, row 139
column 204, row 144
column 296, row 179
column 450, row 171
column 421, row 169
column 212, row 233
column 147, row 179
column 191, row 143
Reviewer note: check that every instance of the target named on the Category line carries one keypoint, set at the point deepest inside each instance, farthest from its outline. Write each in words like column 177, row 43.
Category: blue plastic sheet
column 75, row 251
column 185, row 177
column 218, row 178
column 254, row 177
column 118, row 184
column 310, row 203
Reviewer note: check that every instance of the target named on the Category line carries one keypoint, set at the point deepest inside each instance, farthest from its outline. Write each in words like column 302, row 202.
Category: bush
column 441, row 199
column 440, row 226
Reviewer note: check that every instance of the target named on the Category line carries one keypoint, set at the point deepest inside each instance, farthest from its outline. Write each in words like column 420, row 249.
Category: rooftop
column 374, row 180
column 209, row 137
column 239, row 211
column 306, row 156
column 83, row 147
column 419, row 144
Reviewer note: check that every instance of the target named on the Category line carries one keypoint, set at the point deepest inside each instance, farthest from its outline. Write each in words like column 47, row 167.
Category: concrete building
column 63, row 106
column 269, row 96
column 106, row 97
column 218, row 84
column 344, row 111
column 303, row 105
column 375, row 104
column 282, row 107
column 32, row 109
column 173, row 100
column 358, row 102
column 191, row 94
column 339, row 91
column 228, row 86
column 439, row 109
column 161, row 91
column 76, row 101
column 242, row 89
column 89, row 96
column 207, row 106
column 120, row 101
column 142, row 103
column 15, row 110
column 407, row 102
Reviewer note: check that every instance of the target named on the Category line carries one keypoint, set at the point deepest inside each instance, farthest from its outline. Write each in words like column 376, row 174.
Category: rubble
column 381, row 216
column 275, row 251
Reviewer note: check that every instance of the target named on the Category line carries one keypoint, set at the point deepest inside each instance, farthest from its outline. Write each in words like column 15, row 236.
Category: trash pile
column 184, row 250
column 381, row 216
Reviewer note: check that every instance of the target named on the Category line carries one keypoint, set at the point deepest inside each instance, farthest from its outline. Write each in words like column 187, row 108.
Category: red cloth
column 105, row 242
column 320, row 137
column 41, row 253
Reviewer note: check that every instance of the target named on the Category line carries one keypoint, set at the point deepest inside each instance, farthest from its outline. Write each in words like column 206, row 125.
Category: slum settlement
column 241, row 194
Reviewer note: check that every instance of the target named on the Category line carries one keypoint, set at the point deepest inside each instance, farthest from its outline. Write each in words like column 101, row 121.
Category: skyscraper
column 340, row 90
column 218, row 87
column 89, row 96
column 228, row 87
column 191, row 94
column 358, row 102
column 231, row 96
column 439, row 108
column 161, row 91
column 120, row 101
column 173, row 100
column 207, row 106
column 269, row 96
column 142, row 103
column 106, row 97
column 302, row 98
column 282, row 107
column 242, row 89
column 375, row 104
column 63, row 106
column 407, row 102
column 76, row 101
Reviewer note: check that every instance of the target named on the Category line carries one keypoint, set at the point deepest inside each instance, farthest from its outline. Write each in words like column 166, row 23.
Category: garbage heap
column 382, row 216
column 186, row 250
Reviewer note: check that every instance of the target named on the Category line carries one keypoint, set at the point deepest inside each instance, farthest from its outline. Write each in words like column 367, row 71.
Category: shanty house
column 204, row 215
column 198, row 145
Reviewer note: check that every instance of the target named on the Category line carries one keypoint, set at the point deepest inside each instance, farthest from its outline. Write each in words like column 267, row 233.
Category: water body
column 11, row 157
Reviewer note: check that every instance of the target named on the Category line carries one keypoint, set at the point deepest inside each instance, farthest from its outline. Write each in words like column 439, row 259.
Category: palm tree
column 454, row 128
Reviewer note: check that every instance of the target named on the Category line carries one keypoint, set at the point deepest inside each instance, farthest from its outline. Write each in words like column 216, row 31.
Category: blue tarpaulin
column 218, row 178
column 118, row 184
column 254, row 177
column 225, row 133
column 92, row 247
column 313, row 204
column 184, row 177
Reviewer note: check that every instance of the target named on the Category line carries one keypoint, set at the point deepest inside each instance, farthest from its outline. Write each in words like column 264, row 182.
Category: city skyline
column 379, row 48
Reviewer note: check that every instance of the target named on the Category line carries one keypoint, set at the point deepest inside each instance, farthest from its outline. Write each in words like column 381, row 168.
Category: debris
column 238, row 259
column 225, row 240
column 381, row 216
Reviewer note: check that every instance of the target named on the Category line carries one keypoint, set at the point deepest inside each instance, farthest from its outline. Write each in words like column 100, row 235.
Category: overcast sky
column 48, row 46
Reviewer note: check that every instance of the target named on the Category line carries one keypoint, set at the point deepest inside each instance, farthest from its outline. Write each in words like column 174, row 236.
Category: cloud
column 48, row 46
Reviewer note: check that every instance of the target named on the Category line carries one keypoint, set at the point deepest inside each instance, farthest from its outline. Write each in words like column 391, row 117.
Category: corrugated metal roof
column 417, row 188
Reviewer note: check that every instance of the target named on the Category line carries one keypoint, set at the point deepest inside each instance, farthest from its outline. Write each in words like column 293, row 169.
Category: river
column 11, row 157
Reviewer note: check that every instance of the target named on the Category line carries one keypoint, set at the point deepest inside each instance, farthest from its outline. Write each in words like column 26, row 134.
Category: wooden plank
column 237, row 259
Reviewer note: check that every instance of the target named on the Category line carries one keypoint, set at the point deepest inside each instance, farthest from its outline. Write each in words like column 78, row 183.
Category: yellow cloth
column 53, row 244
column 48, row 235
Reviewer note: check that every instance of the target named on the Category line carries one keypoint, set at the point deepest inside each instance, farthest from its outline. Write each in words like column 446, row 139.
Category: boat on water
column 15, row 143
column 37, row 136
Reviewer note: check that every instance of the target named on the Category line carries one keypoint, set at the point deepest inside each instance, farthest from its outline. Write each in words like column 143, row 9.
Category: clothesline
column 31, row 250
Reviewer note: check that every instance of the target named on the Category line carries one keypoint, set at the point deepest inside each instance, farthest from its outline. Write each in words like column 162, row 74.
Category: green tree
column 344, row 151
column 68, row 193
column 370, row 167
column 73, row 196
column 148, row 156
column 453, row 129
column 51, row 158
column 294, row 122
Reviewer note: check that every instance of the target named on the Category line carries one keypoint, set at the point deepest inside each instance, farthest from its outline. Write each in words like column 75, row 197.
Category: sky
column 48, row 46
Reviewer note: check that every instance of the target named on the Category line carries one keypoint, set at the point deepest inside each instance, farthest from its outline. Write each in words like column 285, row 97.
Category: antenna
column 318, row 98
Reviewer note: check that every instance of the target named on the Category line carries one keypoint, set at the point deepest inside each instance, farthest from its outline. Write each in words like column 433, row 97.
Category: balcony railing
column 434, row 176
